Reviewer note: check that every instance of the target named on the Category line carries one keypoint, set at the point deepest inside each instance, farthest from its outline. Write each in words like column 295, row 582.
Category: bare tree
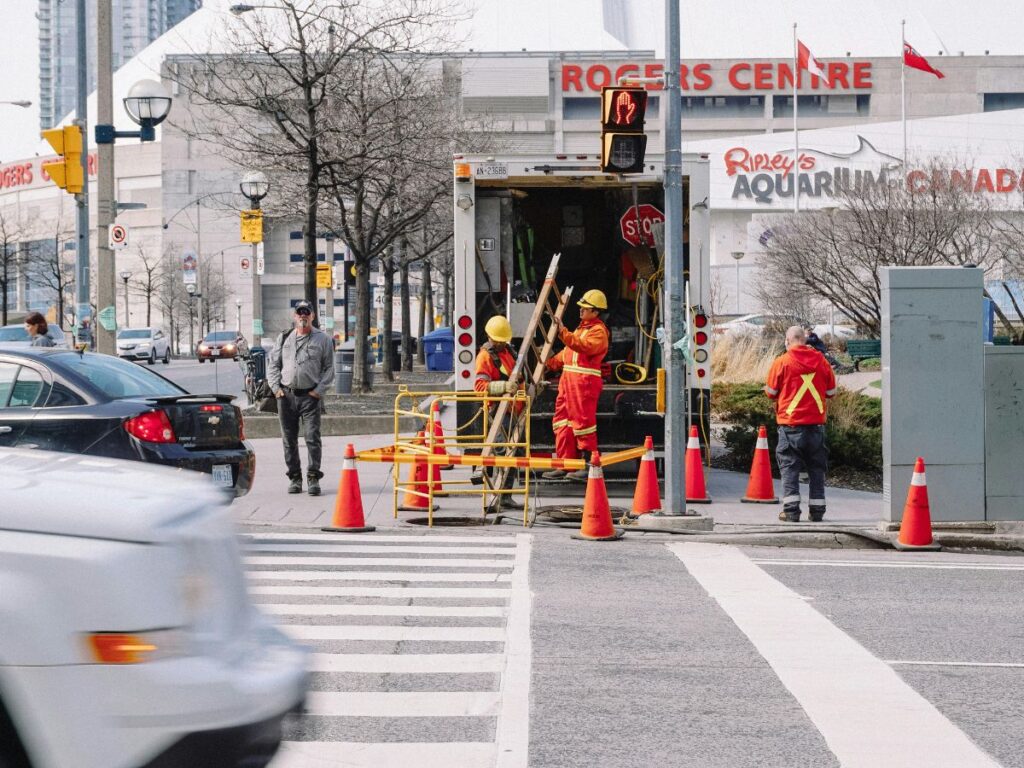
column 52, row 265
column 12, row 233
column 173, row 300
column 149, row 281
column 834, row 256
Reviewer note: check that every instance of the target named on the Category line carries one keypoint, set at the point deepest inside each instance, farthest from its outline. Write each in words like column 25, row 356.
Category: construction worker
column 800, row 382
column 495, row 360
column 575, row 420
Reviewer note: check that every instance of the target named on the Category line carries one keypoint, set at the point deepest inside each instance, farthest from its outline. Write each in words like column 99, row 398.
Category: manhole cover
column 448, row 522
column 571, row 514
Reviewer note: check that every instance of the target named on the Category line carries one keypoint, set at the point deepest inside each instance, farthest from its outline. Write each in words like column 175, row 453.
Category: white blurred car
column 17, row 336
column 759, row 323
column 128, row 636
column 149, row 344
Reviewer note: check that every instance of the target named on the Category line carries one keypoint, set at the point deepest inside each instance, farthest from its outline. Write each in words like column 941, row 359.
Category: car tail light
column 465, row 339
column 465, row 322
column 151, row 427
column 211, row 408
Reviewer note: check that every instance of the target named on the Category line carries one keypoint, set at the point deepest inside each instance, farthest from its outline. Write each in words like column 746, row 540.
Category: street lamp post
column 254, row 185
column 238, row 314
column 126, row 276
column 738, row 256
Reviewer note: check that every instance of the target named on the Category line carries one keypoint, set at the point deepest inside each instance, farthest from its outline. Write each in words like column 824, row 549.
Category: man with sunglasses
column 300, row 370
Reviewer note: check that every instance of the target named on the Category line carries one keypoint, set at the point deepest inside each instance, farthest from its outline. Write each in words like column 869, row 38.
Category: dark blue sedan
column 81, row 402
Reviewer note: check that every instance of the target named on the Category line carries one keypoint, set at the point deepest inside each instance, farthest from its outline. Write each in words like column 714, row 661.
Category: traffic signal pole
column 106, row 287
column 83, row 308
column 677, row 394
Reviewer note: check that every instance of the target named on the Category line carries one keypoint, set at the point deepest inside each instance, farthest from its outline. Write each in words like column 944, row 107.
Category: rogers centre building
column 738, row 111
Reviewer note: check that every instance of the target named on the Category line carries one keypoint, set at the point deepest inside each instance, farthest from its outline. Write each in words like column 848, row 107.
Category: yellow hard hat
column 593, row 298
column 499, row 329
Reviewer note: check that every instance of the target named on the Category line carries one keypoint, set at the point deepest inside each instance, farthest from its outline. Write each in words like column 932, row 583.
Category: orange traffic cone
column 696, row 491
column 435, row 469
column 348, row 507
column 597, row 515
column 761, row 488
column 646, row 498
column 439, row 449
column 916, row 527
column 418, row 485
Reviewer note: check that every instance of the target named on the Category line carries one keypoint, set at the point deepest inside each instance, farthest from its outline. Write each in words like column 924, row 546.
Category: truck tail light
column 465, row 322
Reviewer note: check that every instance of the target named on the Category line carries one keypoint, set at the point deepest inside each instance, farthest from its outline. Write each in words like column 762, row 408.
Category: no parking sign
column 118, row 237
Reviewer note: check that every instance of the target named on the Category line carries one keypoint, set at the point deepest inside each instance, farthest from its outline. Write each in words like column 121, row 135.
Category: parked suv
column 222, row 344
column 149, row 344
column 129, row 637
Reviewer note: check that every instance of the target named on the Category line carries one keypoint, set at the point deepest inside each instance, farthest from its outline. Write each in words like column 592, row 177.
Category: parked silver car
column 149, row 344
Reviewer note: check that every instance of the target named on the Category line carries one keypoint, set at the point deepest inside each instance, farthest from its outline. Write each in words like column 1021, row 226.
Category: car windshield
column 140, row 333
column 221, row 336
column 118, row 378
column 13, row 333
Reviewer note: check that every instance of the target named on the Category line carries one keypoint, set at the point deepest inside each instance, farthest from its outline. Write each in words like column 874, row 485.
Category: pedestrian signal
column 623, row 142
column 66, row 172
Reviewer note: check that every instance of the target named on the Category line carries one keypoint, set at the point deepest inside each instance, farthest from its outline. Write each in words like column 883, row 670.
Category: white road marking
column 407, row 663
column 374, row 576
column 861, row 706
column 513, row 732
column 410, row 562
column 877, row 564
column 378, row 549
column 998, row 664
column 389, row 632
column 508, row 541
column 402, row 592
column 356, row 609
column 350, row 754
column 404, row 704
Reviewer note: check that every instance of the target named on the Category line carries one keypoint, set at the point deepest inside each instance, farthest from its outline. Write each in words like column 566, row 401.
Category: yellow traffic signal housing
column 623, row 142
column 66, row 172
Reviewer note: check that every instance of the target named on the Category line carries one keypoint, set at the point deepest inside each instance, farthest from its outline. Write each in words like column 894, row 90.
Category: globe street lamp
column 126, row 275
column 148, row 103
column 255, row 186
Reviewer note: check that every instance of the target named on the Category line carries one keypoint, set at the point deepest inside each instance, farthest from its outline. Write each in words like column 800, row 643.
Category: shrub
column 853, row 430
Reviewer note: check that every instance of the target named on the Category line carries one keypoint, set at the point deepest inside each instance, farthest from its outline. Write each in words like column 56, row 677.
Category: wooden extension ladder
column 551, row 302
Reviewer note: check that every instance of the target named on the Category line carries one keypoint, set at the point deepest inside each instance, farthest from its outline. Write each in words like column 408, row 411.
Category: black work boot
column 790, row 515
column 817, row 514
column 555, row 474
column 295, row 484
column 313, row 483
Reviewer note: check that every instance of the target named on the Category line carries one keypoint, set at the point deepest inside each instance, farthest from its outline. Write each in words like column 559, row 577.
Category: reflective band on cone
column 348, row 507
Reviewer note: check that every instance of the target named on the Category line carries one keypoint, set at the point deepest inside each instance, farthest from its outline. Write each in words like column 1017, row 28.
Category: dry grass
column 739, row 359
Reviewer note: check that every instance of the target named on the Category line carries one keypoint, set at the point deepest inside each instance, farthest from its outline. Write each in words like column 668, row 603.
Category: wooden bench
column 863, row 349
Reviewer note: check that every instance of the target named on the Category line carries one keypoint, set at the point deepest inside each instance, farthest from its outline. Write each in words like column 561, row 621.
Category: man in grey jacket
column 300, row 370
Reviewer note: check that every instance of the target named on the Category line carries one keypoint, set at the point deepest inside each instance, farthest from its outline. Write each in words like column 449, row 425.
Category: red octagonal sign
column 640, row 232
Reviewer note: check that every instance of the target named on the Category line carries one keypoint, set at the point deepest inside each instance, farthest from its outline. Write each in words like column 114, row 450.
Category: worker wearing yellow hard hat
column 575, row 419
column 495, row 360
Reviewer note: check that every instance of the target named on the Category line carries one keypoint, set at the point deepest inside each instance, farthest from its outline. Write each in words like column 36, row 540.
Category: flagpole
column 903, row 88
column 796, row 134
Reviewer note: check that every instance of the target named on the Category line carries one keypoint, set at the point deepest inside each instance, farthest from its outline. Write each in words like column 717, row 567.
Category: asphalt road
column 221, row 377
column 496, row 647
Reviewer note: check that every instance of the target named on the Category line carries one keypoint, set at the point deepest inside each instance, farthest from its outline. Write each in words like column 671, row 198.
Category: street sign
column 245, row 267
column 118, row 237
column 640, row 233
column 252, row 226
column 189, row 265
column 259, row 259
column 323, row 276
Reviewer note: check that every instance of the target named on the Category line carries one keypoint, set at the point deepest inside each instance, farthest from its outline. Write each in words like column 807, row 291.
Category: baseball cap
column 303, row 305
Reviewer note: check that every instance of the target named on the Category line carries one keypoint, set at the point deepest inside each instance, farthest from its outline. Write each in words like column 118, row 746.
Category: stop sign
column 640, row 232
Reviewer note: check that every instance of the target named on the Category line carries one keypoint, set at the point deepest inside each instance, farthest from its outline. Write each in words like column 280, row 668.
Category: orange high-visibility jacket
column 585, row 348
column 487, row 371
column 800, row 381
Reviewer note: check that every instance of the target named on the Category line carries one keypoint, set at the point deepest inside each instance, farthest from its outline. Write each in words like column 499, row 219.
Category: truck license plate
column 492, row 171
column 222, row 476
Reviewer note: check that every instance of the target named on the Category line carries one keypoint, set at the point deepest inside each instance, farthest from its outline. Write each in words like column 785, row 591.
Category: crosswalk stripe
column 509, row 541
column 342, row 754
column 375, row 576
column 411, row 562
column 350, row 609
column 880, row 564
column 403, row 704
column 389, row 632
column 407, row 663
column 402, row 592
column 376, row 549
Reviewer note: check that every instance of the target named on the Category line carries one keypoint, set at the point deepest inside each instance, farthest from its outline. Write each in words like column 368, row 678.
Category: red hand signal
column 625, row 108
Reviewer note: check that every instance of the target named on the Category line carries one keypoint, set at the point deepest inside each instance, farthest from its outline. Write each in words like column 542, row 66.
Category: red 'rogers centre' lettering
column 703, row 75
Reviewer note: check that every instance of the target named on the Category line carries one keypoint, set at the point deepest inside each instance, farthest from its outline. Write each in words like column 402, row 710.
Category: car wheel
column 152, row 357
column 167, row 356
column 201, row 361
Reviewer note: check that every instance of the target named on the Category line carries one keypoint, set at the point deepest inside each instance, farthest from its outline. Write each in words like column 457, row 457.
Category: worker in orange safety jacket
column 495, row 360
column 575, row 420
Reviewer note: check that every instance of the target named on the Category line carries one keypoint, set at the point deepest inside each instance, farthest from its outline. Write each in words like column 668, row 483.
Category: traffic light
column 623, row 142
column 66, row 172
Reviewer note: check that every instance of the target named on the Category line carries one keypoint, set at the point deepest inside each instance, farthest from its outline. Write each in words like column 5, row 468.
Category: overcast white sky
column 710, row 29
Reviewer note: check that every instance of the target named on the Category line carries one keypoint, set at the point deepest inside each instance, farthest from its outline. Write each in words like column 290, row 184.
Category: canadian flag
column 915, row 60
column 805, row 60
